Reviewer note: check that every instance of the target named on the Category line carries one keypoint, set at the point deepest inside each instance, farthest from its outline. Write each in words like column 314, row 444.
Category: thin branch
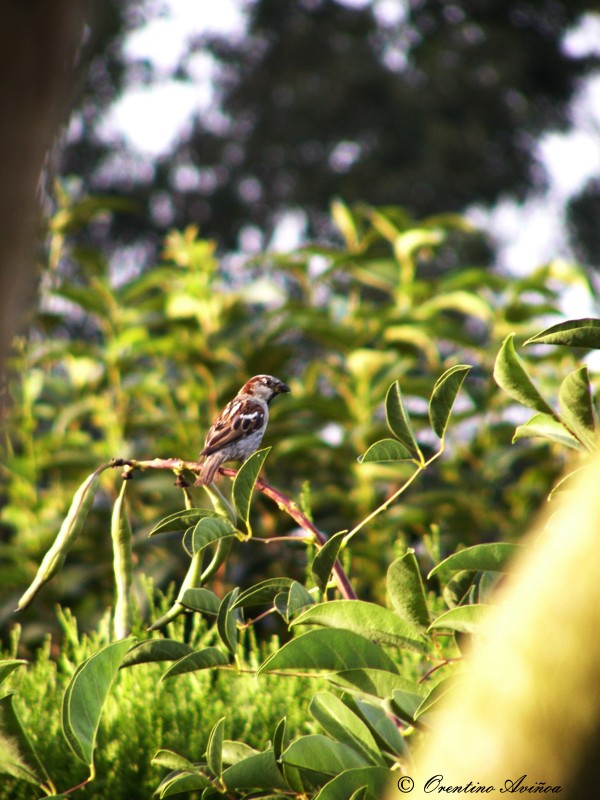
column 284, row 503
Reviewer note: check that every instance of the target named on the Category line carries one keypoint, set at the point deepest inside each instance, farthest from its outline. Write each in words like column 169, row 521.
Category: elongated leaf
column 67, row 535
column 386, row 450
column 323, row 562
column 209, row 530
column 577, row 410
column 171, row 760
column 182, row 520
column 546, row 427
column 208, row 658
column 368, row 619
column 327, row 650
column 291, row 602
column 510, row 374
column 257, row 771
column 384, row 731
column 443, row 396
column 464, row 619
column 155, row 650
column 227, row 618
column 439, row 691
column 181, row 781
column 398, row 420
column 377, row 781
column 573, row 333
column 406, row 590
column 406, row 704
column 202, row 600
column 321, row 755
column 263, row 592
column 244, row 483
column 9, row 665
column 494, row 557
column 85, row 696
column 342, row 724
column 375, row 682
column 18, row 756
column 214, row 748
column 122, row 542
column 280, row 742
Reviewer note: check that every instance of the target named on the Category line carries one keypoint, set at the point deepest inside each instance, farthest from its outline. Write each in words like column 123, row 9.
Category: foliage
column 390, row 353
column 137, row 366
column 388, row 666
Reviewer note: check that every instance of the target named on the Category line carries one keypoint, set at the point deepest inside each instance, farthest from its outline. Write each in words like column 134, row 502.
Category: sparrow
column 238, row 430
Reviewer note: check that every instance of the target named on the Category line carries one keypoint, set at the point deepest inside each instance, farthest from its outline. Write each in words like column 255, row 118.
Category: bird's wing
column 239, row 418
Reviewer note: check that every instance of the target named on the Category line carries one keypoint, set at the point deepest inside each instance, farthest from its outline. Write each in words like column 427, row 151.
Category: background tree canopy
column 426, row 104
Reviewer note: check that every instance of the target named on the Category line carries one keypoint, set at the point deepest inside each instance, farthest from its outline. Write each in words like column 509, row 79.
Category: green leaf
column 280, row 742
column 573, row 333
column 289, row 603
column 368, row 619
column 459, row 587
column 209, row 530
column 182, row 520
column 262, row 593
column 258, row 771
column 319, row 754
column 342, row 724
column 443, row 396
column 386, row 450
column 244, row 483
column 214, row 748
column 9, row 665
column 69, row 531
column 375, row 682
column 546, row 427
column 344, row 786
column 85, row 696
column 208, row 658
column 170, row 760
column 406, row 590
column 155, row 650
column 398, row 420
column 510, row 374
column 384, row 731
column 439, row 691
column 577, row 410
column 405, row 704
column 325, row 558
column 18, row 756
column 182, row 781
column 494, row 557
column 329, row 649
column 202, row 600
column 464, row 619
column 227, row 619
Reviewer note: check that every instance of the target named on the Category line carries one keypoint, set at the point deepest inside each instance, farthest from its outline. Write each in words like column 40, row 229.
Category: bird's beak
column 282, row 388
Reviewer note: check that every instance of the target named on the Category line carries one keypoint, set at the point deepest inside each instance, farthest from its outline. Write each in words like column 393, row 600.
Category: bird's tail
column 208, row 470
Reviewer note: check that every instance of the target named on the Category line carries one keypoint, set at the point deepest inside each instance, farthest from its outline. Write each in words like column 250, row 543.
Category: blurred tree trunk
column 39, row 41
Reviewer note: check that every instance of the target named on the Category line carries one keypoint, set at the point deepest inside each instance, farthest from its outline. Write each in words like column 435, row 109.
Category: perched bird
column 238, row 430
